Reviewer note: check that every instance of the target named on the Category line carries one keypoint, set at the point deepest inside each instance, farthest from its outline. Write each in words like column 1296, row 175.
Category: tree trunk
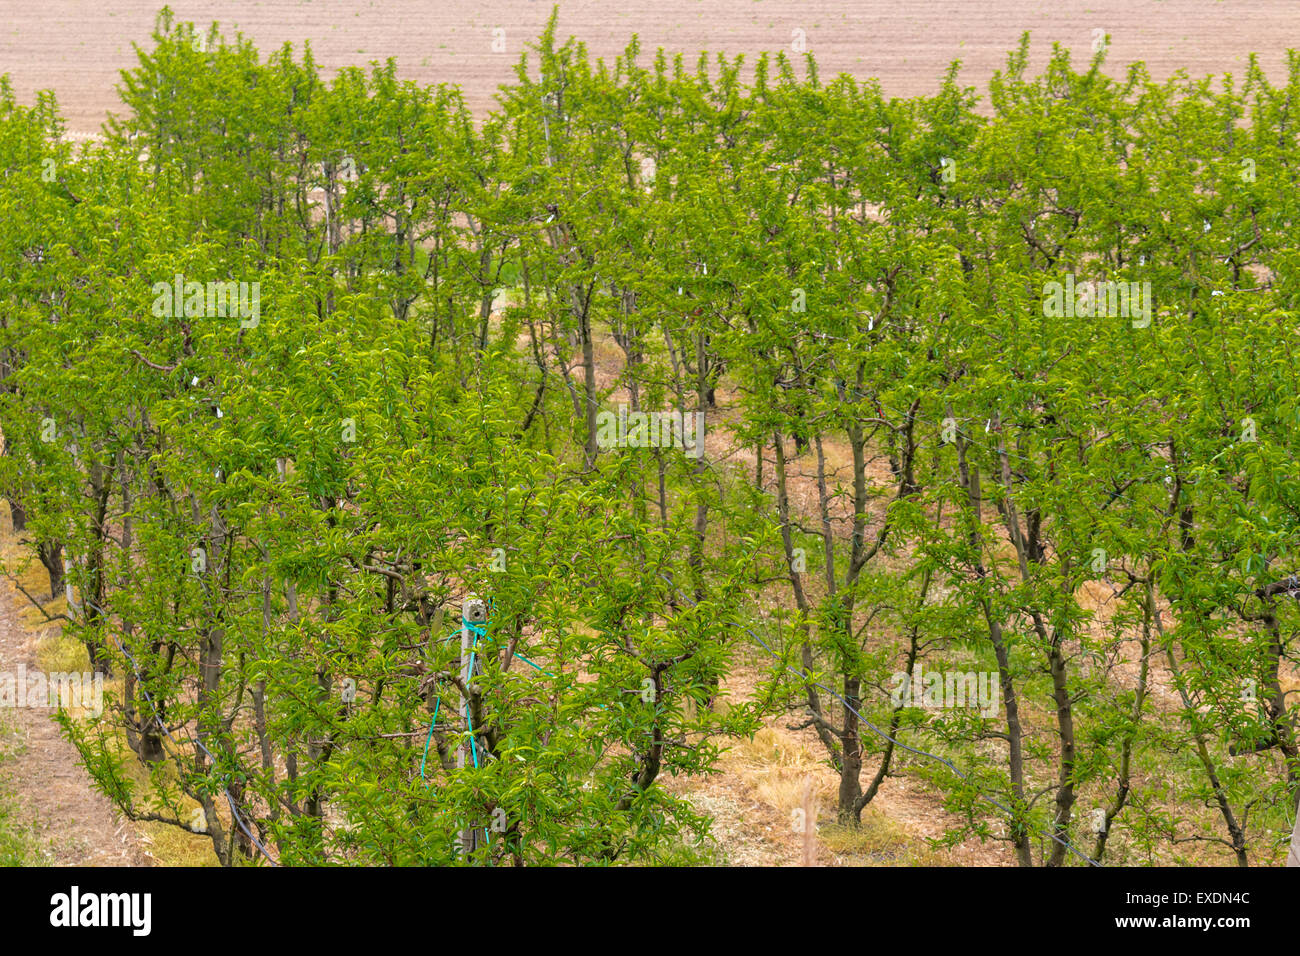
column 50, row 554
column 850, row 810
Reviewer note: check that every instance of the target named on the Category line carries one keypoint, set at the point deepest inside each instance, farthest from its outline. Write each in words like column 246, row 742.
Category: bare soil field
column 76, row 47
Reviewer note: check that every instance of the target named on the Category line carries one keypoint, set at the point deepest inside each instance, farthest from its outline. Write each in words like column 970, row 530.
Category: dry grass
column 880, row 840
column 776, row 767
column 760, row 786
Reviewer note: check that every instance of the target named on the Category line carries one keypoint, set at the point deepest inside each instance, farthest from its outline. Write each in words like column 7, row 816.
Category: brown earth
column 74, row 825
column 76, row 47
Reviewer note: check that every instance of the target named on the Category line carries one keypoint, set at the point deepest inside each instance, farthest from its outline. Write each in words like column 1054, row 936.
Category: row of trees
column 270, row 519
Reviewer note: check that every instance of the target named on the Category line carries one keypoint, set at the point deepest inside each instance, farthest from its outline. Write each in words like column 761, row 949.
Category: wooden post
column 474, row 612
column 1293, row 855
column 68, row 593
column 809, row 825
column 463, row 753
